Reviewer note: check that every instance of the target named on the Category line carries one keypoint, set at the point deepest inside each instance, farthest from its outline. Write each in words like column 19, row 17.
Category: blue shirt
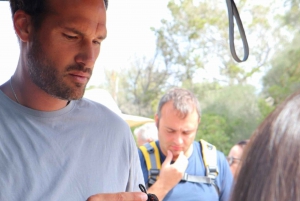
column 69, row 154
column 189, row 191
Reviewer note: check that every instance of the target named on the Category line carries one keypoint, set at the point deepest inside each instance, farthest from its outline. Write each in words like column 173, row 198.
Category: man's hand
column 171, row 174
column 124, row 196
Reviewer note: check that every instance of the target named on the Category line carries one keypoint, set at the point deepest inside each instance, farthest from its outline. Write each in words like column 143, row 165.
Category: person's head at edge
column 59, row 44
column 270, row 170
column 145, row 133
column 235, row 156
column 177, row 119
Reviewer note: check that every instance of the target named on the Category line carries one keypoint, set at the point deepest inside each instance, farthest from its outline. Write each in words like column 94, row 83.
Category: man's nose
column 178, row 139
column 88, row 54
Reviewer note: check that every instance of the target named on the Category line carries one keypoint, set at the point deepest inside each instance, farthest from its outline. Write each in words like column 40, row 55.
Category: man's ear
column 22, row 25
column 156, row 118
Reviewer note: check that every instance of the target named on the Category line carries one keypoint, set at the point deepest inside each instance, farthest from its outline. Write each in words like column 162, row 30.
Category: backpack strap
column 209, row 155
column 152, row 158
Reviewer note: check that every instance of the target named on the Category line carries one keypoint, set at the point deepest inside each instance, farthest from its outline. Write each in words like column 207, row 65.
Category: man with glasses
column 235, row 156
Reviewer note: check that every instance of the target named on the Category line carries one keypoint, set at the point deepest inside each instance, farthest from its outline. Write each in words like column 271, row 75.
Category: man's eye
column 97, row 42
column 70, row 37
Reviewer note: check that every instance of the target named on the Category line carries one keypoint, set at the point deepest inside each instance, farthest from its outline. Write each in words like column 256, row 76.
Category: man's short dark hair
column 35, row 8
column 243, row 142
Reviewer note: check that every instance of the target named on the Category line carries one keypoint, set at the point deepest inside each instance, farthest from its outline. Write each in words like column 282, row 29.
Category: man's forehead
column 79, row 14
column 236, row 150
column 185, row 128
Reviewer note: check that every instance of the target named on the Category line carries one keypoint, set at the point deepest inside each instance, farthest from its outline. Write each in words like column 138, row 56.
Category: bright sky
column 128, row 24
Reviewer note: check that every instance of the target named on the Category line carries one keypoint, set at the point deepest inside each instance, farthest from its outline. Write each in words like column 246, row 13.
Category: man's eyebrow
column 80, row 33
column 101, row 37
column 73, row 30
column 170, row 128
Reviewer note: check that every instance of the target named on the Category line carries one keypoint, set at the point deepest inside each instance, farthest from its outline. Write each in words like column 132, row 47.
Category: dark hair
column 35, row 8
column 242, row 143
column 271, row 167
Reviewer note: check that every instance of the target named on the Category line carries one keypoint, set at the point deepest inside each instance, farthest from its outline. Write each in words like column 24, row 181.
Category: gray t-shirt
column 69, row 154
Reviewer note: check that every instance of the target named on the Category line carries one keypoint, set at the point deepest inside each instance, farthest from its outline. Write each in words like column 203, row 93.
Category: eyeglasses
column 231, row 160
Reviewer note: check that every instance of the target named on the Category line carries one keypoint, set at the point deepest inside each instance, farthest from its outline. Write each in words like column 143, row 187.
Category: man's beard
column 43, row 73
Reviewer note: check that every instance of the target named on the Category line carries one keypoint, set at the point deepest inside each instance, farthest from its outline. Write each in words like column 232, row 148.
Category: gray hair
column 147, row 131
column 183, row 100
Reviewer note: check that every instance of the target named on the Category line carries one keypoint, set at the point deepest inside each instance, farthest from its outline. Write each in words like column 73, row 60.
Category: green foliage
column 142, row 85
column 213, row 128
column 202, row 89
column 198, row 33
column 235, row 112
column 291, row 17
column 265, row 108
column 284, row 77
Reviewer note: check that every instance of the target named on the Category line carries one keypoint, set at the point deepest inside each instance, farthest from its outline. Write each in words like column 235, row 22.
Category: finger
column 182, row 159
column 168, row 159
column 180, row 156
column 124, row 196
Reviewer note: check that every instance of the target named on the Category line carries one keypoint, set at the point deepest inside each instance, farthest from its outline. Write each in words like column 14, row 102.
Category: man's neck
column 189, row 152
column 32, row 97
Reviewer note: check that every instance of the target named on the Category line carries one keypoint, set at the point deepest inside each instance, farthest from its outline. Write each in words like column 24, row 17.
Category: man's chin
column 76, row 96
column 77, row 92
column 70, row 95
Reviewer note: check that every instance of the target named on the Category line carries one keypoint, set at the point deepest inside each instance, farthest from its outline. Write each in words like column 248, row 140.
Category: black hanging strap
column 233, row 12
